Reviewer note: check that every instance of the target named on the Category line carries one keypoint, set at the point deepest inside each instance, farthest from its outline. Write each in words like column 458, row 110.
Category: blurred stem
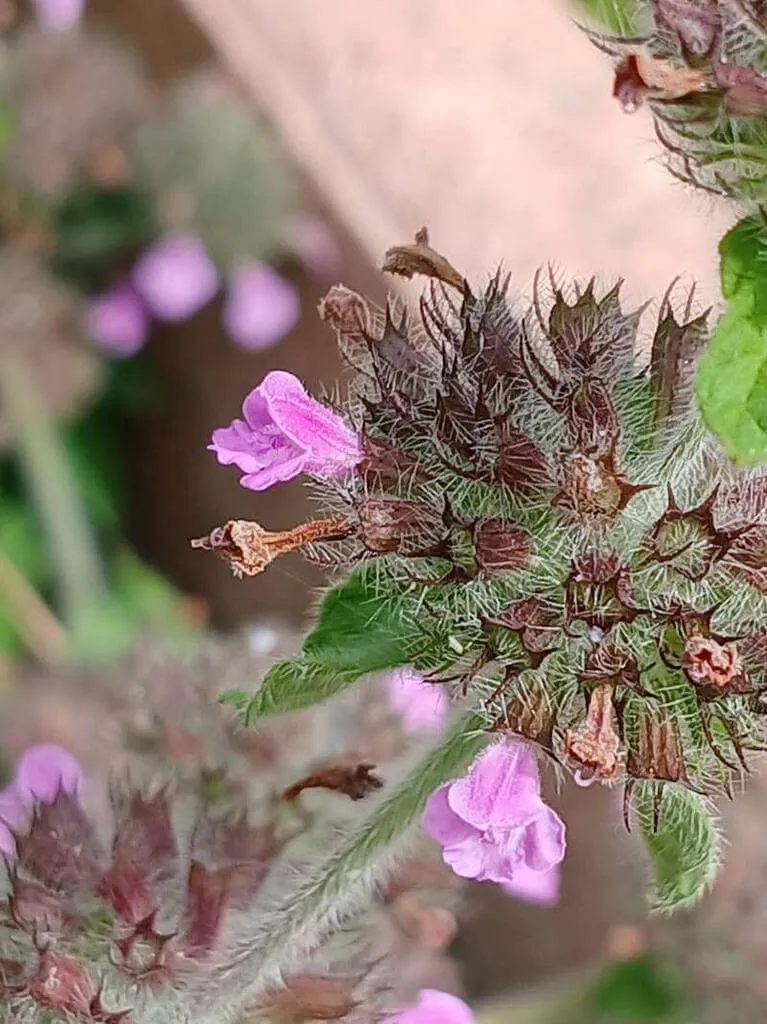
column 560, row 1002
column 75, row 558
column 40, row 630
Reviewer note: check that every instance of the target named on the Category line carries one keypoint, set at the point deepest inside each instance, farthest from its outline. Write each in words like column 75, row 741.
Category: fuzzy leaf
column 732, row 378
column 343, row 880
column 684, row 851
column 356, row 633
column 618, row 16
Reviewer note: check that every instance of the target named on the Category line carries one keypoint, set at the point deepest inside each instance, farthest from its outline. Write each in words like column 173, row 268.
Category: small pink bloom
column 261, row 307
column 534, row 886
column 285, row 432
column 312, row 240
column 42, row 772
column 175, row 277
column 434, row 1007
column 117, row 321
column 493, row 821
column 422, row 705
column 59, row 14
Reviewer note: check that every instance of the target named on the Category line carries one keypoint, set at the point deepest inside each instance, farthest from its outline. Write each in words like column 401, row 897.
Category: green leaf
column 732, row 376
column 636, row 990
column 96, row 228
column 357, row 632
column 684, row 851
column 343, row 880
column 619, row 16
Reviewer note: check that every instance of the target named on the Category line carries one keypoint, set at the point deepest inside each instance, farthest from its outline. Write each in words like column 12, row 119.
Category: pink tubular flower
column 285, row 432
column 117, row 321
column 261, row 307
column 434, row 1007
column 59, row 14
column 175, row 277
column 493, row 823
column 423, row 706
column 42, row 772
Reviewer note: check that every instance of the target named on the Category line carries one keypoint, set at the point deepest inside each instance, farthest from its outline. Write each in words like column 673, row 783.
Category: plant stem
column 40, row 630
column 72, row 547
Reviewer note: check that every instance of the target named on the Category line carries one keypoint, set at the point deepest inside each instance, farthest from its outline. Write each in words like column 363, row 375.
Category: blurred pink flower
column 261, row 307
column 117, row 321
column 59, row 14
column 175, row 277
column 285, row 432
column 422, row 705
column 534, row 886
column 315, row 244
column 493, row 821
column 42, row 772
column 434, row 1007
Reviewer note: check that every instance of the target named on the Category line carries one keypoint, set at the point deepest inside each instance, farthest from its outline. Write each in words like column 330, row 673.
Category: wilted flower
column 434, row 1007
column 117, row 321
column 175, row 277
column 59, row 14
column 42, row 773
column 261, row 307
column 494, row 821
column 422, row 705
column 285, row 432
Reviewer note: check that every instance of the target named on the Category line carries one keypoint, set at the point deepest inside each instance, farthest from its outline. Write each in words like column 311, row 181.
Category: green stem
column 73, row 551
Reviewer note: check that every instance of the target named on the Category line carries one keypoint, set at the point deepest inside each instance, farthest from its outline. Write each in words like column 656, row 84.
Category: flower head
column 434, row 1007
column 59, row 14
column 175, row 277
column 42, row 773
column 117, row 321
column 261, row 307
column 422, row 705
column 494, row 823
column 285, row 432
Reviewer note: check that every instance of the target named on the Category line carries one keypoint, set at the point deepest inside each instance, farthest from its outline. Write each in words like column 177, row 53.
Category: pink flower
column 493, row 822
column 422, row 705
column 285, row 432
column 175, row 277
column 434, row 1007
column 117, row 321
column 315, row 245
column 59, row 14
column 41, row 774
column 534, row 886
column 261, row 307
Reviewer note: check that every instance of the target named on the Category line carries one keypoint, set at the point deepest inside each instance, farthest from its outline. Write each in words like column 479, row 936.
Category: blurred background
column 180, row 183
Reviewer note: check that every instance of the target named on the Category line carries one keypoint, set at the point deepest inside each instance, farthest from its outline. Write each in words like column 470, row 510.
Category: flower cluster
column 569, row 545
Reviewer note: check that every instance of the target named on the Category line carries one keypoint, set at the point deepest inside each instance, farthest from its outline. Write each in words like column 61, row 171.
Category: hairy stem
column 76, row 562
column 38, row 627
column 342, row 881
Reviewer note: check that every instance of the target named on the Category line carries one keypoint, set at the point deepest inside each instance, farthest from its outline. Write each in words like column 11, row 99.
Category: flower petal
column 59, row 14
column 434, row 1007
column 261, row 306
column 534, row 886
column 43, row 771
column 117, row 321
column 332, row 446
column 422, row 705
column 175, row 277
column 441, row 823
column 501, row 789
column 544, row 843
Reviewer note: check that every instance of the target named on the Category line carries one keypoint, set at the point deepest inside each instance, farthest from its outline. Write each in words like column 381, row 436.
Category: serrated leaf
column 732, row 376
column 346, row 876
column 357, row 633
column 684, row 851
